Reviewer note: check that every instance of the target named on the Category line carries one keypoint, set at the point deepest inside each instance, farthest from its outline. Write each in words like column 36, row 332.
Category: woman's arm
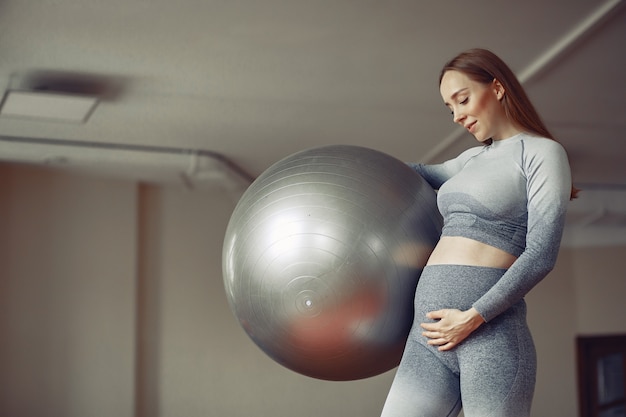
column 548, row 191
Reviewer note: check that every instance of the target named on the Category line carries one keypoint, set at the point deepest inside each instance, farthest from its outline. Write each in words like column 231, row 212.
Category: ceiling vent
column 59, row 96
column 47, row 105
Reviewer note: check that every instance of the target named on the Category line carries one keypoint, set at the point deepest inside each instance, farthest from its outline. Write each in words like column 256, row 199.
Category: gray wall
column 112, row 303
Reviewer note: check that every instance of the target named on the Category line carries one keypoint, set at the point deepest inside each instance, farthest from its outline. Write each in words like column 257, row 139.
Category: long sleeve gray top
column 513, row 195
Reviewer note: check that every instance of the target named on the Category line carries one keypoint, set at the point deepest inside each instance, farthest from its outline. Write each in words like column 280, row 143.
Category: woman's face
column 476, row 106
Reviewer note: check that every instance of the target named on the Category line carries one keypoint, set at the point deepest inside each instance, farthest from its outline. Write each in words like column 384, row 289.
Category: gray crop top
column 513, row 195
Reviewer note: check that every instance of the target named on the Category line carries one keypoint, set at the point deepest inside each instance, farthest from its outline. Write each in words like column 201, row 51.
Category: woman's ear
column 498, row 89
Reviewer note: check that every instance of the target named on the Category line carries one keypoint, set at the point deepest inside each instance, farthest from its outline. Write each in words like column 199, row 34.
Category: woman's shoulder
column 539, row 144
column 545, row 155
column 539, row 148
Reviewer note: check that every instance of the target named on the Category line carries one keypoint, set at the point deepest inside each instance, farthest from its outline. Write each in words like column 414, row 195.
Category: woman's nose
column 458, row 117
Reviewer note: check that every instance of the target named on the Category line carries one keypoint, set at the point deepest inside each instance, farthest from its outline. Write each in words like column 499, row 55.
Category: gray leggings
column 489, row 374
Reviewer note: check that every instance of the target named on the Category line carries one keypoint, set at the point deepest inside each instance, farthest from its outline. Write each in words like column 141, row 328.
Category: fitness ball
column 321, row 259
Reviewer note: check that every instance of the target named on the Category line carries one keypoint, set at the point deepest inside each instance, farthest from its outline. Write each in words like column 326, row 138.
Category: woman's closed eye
column 462, row 102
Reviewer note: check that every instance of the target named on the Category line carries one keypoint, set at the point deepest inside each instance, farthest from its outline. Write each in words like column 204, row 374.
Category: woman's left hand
column 451, row 328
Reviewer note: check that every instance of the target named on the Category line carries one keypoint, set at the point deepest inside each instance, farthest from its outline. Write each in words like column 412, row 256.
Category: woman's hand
column 452, row 327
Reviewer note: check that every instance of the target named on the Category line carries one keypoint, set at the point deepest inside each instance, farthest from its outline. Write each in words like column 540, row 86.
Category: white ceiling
column 254, row 81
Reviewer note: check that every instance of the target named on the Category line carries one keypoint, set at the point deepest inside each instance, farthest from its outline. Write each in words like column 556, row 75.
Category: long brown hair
column 482, row 65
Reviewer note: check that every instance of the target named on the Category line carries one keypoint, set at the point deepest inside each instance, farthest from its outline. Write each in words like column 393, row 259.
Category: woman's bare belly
column 456, row 250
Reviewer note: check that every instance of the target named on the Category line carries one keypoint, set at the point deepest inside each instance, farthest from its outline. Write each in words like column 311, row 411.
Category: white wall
column 112, row 254
column 67, row 295
column 552, row 319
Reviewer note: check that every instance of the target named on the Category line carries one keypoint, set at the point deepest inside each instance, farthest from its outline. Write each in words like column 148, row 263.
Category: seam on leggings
column 429, row 349
column 458, row 400
column 456, row 405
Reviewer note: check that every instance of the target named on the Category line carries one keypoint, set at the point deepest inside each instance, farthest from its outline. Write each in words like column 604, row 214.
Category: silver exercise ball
column 321, row 259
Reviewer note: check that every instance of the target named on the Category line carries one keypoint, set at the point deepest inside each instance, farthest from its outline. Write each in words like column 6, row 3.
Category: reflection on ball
column 321, row 258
